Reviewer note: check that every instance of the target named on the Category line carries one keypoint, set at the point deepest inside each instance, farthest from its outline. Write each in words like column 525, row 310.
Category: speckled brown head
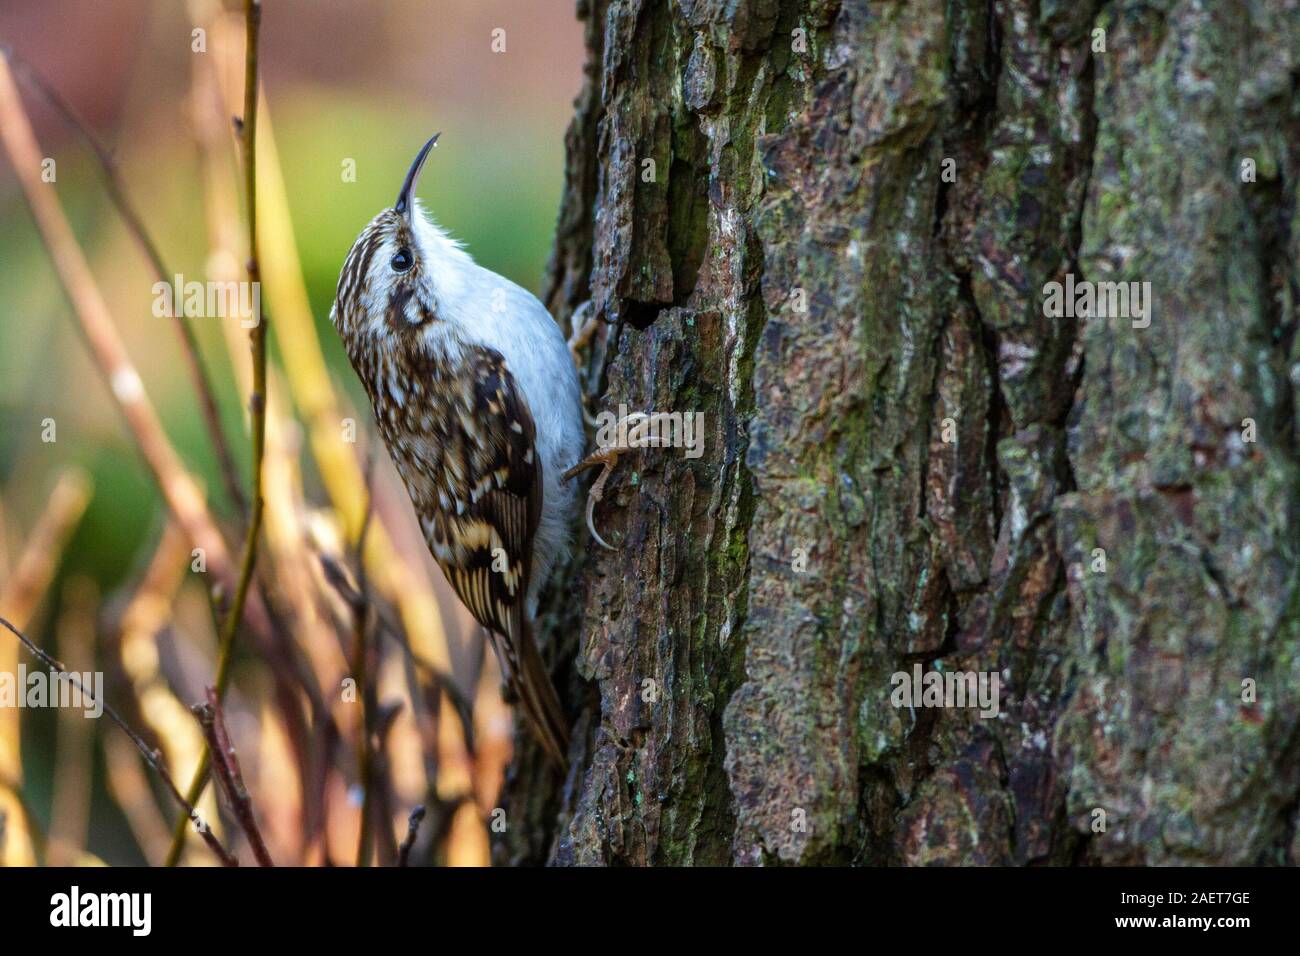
column 385, row 289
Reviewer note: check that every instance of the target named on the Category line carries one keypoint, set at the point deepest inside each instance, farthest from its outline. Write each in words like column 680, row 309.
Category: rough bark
column 772, row 738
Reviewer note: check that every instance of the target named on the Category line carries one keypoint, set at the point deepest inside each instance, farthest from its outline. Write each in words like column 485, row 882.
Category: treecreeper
column 476, row 398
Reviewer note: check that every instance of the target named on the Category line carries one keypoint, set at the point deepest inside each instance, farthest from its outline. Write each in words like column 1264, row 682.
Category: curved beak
column 407, row 195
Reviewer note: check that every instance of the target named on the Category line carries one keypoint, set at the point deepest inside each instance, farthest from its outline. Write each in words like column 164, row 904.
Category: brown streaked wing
column 496, row 447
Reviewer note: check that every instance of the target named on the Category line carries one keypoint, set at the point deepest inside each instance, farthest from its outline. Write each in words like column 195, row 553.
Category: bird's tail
column 540, row 703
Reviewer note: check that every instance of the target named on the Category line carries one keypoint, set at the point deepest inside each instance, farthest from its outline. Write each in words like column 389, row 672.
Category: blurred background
column 94, row 568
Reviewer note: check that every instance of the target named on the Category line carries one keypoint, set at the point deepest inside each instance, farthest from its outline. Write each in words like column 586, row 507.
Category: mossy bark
column 920, row 466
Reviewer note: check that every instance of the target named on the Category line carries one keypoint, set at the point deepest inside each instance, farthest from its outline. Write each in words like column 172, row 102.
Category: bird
column 475, row 396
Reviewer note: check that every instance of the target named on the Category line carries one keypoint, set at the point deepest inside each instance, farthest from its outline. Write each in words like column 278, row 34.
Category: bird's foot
column 607, row 457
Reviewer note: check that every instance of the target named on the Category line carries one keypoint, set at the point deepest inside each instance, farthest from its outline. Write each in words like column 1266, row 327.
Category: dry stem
column 256, row 402
column 231, row 780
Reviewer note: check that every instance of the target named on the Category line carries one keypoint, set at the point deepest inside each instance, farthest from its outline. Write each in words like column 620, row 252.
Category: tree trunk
column 839, row 255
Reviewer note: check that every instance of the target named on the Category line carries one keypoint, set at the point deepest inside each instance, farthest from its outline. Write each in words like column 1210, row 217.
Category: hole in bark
column 640, row 315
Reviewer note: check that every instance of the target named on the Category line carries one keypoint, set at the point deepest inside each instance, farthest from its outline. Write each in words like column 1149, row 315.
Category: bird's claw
column 607, row 458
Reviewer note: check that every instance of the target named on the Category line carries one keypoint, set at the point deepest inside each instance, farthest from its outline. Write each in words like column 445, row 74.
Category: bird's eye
column 402, row 261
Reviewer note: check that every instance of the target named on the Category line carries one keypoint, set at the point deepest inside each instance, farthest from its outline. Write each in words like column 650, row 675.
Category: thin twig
column 412, row 829
column 151, row 756
column 256, row 402
column 135, row 226
column 257, row 338
column 226, row 764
